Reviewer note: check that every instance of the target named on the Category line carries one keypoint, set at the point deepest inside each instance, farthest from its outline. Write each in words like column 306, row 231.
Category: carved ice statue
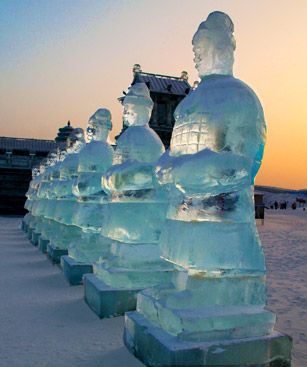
column 48, row 198
column 40, row 201
column 134, row 217
column 94, row 160
column 65, row 200
column 31, row 196
column 214, row 313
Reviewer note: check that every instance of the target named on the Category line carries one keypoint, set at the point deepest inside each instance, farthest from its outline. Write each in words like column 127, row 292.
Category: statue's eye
column 90, row 130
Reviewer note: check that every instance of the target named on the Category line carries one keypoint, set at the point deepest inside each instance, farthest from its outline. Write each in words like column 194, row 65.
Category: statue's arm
column 87, row 183
column 130, row 175
column 209, row 172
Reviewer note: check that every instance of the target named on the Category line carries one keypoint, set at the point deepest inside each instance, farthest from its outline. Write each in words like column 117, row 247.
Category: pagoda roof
column 64, row 132
column 165, row 84
column 31, row 145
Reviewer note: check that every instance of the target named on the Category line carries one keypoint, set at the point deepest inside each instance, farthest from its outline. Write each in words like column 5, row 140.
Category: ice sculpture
column 37, row 198
column 31, row 202
column 64, row 231
column 94, row 160
column 214, row 313
column 134, row 217
column 48, row 198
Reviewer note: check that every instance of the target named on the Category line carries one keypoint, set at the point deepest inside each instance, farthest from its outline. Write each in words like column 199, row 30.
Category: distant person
column 276, row 205
column 293, row 206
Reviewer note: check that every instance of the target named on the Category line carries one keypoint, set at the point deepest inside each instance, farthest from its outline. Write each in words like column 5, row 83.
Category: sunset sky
column 61, row 60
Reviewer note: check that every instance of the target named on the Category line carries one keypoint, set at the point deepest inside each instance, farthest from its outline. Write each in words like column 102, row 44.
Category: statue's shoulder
column 96, row 146
column 139, row 135
column 141, row 141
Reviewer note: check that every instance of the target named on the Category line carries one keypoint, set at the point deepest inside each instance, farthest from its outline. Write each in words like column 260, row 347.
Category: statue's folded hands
column 209, row 172
column 130, row 175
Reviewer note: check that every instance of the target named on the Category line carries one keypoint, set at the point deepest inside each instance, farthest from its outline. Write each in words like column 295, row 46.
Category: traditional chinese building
column 166, row 93
column 17, row 158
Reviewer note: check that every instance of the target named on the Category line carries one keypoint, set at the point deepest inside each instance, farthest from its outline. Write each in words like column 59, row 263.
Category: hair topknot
column 218, row 20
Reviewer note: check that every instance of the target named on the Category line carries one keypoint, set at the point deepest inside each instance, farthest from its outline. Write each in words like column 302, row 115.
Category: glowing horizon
column 64, row 60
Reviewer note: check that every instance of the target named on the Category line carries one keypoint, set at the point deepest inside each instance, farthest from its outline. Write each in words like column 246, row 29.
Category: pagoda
column 64, row 132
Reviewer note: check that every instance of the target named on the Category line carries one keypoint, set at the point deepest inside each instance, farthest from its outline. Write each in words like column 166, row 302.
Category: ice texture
column 61, row 203
column 93, row 162
column 210, row 234
column 136, row 212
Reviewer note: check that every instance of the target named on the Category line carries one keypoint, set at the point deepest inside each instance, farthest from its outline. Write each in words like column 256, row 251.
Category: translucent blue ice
column 94, row 160
column 210, row 234
column 61, row 202
column 135, row 215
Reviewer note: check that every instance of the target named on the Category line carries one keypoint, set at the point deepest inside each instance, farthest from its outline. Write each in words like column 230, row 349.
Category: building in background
column 17, row 158
column 166, row 93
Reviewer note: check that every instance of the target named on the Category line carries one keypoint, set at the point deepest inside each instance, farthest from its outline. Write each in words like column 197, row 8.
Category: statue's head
column 51, row 159
column 75, row 140
column 62, row 154
column 137, row 105
column 42, row 165
column 35, row 172
column 214, row 45
column 99, row 125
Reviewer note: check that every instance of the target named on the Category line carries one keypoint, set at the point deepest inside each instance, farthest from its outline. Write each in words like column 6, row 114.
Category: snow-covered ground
column 284, row 239
column 45, row 323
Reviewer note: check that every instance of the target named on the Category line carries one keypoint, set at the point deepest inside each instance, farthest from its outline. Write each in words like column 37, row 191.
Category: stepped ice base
column 42, row 244
column 155, row 347
column 55, row 253
column 106, row 301
column 35, row 238
column 29, row 233
column 24, row 225
column 74, row 270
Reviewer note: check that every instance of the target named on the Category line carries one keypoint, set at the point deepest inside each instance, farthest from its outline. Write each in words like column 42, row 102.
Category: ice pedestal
column 63, row 232
column 54, row 253
column 83, row 251
column 25, row 222
column 60, row 240
column 74, row 270
column 130, row 266
column 35, row 237
column 87, row 248
column 107, row 301
column 37, row 230
column 42, row 244
column 206, row 321
column 155, row 347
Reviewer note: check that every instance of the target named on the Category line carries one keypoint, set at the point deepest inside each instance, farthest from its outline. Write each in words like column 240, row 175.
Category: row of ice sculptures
column 171, row 234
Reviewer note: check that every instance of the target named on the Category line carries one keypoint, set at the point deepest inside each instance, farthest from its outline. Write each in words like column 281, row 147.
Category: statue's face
column 52, row 159
column 130, row 114
column 35, row 172
column 63, row 154
column 97, row 127
column 136, row 115
column 90, row 131
column 79, row 134
column 204, row 53
column 214, row 48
